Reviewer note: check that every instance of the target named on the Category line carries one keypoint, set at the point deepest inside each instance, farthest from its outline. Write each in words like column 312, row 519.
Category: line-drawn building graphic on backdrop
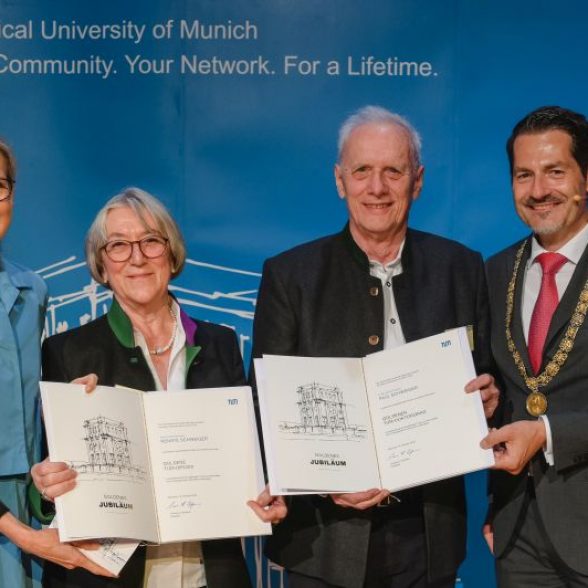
column 323, row 412
column 224, row 295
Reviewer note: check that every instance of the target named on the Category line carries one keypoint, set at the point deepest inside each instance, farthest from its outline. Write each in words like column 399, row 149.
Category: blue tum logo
column 446, row 343
column 232, row 401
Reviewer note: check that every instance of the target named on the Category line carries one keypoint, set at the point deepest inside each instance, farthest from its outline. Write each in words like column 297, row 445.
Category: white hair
column 143, row 205
column 378, row 115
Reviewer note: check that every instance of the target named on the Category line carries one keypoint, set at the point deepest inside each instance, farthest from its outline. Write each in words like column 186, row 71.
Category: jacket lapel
column 516, row 327
column 414, row 292
column 8, row 292
column 566, row 306
column 12, row 281
column 190, row 329
column 407, row 294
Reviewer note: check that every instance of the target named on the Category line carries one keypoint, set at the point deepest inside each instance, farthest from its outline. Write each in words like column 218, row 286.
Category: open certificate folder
column 156, row 466
column 395, row 419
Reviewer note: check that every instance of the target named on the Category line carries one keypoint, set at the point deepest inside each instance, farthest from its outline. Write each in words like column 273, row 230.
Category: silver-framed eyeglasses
column 121, row 250
column 6, row 187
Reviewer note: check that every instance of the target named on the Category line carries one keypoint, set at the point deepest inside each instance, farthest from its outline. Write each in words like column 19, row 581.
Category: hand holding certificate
column 157, row 466
column 394, row 419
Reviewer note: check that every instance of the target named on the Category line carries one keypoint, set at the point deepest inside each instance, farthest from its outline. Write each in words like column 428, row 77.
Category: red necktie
column 545, row 306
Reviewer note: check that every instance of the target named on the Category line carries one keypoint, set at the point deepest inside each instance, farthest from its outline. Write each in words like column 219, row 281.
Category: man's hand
column 360, row 500
column 269, row 508
column 515, row 444
column 53, row 478
column 489, row 393
column 488, row 534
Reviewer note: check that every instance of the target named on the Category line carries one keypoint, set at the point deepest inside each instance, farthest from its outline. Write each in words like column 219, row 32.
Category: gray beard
column 547, row 228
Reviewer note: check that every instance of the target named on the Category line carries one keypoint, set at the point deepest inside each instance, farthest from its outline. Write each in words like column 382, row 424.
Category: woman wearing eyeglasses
column 135, row 248
column 22, row 313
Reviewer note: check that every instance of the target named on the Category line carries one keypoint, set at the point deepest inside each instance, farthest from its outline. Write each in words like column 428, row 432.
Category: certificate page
column 112, row 554
column 316, row 425
column 102, row 436
column 425, row 426
column 206, row 463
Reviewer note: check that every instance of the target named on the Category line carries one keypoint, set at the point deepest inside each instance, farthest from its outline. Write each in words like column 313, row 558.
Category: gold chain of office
column 536, row 401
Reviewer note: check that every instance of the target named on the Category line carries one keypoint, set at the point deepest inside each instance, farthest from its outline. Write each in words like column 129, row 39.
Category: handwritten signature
column 182, row 505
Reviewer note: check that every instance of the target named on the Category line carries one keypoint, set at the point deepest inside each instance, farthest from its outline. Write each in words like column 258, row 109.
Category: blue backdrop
column 236, row 133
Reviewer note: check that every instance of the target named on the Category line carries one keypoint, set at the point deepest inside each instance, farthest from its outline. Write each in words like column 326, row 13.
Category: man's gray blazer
column 562, row 490
column 319, row 299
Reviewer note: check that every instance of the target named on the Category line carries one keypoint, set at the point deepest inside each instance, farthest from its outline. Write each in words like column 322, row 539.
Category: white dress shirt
column 393, row 335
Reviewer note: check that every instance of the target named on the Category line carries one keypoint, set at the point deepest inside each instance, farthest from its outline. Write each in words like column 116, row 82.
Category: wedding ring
column 45, row 496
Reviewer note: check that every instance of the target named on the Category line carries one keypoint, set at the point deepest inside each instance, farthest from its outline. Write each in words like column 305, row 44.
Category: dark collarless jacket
column 106, row 347
column 319, row 299
column 561, row 490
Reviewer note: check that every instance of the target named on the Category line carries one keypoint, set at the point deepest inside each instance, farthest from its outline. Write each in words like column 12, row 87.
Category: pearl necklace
column 167, row 346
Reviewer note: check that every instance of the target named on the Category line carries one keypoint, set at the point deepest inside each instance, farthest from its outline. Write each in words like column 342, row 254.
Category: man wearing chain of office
column 538, row 520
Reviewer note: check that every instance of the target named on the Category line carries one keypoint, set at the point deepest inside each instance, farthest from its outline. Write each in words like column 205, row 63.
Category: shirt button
column 393, row 321
column 373, row 340
column 374, row 290
column 388, row 283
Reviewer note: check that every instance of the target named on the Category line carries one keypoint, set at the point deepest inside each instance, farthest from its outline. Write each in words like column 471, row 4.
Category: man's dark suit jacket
column 319, row 299
column 106, row 347
column 561, row 490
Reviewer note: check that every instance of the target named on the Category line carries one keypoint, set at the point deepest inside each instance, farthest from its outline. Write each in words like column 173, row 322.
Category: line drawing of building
column 108, row 447
column 108, row 450
column 322, row 411
column 322, row 408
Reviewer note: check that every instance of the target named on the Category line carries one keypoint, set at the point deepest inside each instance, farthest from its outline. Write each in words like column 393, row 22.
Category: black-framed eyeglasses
column 121, row 250
column 6, row 187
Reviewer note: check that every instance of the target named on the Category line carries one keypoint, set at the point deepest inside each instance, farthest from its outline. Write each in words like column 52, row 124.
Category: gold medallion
column 536, row 404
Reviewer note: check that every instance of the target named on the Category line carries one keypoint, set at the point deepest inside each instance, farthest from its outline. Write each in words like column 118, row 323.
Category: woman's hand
column 90, row 381
column 269, row 508
column 53, row 478
column 45, row 544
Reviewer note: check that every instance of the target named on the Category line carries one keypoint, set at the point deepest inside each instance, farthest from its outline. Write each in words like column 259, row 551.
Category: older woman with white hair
column 146, row 341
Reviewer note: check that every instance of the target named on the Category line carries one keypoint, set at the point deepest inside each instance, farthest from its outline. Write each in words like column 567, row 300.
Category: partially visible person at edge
column 375, row 285
column 147, row 342
column 537, row 524
column 22, row 312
